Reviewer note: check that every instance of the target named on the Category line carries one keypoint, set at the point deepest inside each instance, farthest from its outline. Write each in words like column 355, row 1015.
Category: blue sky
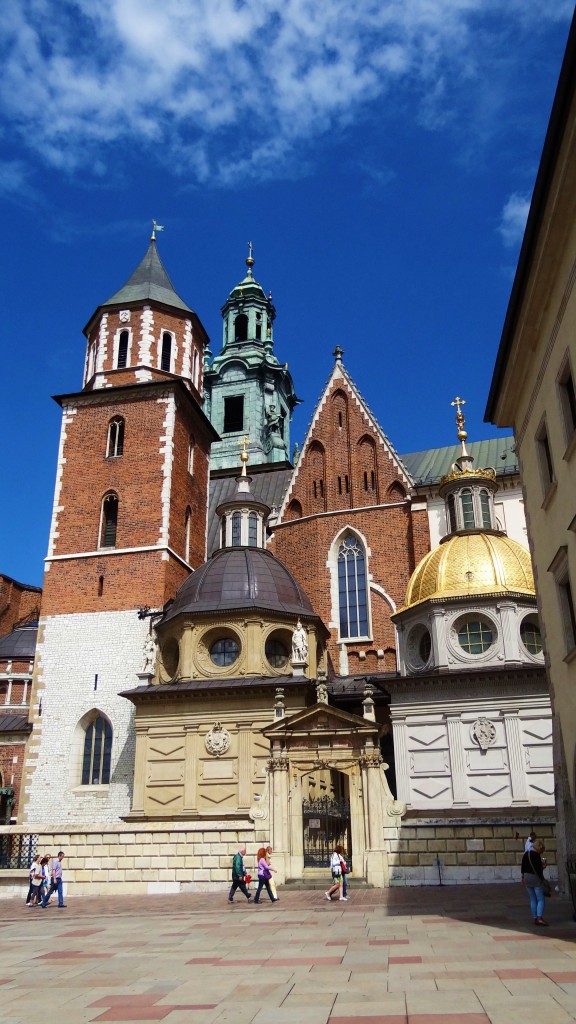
column 380, row 156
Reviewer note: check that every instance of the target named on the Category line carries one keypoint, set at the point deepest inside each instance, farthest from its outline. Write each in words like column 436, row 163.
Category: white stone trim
column 68, row 414
column 107, row 552
column 147, row 336
column 167, row 450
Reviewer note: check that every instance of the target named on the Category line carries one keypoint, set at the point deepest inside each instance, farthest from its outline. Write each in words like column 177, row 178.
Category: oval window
column 224, row 652
column 531, row 636
column 276, row 653
column 475, row 636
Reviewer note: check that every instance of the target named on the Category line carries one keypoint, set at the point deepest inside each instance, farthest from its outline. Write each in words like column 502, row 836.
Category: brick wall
column 17, row 600
column 347, row 476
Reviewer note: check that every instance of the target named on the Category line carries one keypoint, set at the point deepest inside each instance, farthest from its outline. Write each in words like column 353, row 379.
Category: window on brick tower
column 191, row 447
column 166, row 358
column 115, row 442
column 109, row 521
column 187, row 528
column 122, row 350
column 352, row 588
column 97, row 752
column 233, row 414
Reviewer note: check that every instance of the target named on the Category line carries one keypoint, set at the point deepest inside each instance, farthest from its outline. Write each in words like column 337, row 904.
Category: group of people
column 537, row 886
column 45, row 879
column 241, row 879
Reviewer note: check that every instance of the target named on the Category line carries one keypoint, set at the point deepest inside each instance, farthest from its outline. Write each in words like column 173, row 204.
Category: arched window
column 252, row 530
column 191, row 447
column 241, row 327
column 485, row 509
column 223, row 532
column 195, row 365
column 236, row 528
column 122, row 349
column 467, row 509
column 451, row 506
column 115, row 442
column 294, row 510
column 352, row 589
column 97, row 752
column 166, row 358
column 109, row 521
column 187, row 524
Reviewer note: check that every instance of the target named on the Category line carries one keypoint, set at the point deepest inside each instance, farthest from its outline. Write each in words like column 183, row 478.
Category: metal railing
column 18, row 851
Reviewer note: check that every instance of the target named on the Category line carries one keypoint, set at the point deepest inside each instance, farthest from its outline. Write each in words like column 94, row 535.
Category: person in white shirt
column 529, row 844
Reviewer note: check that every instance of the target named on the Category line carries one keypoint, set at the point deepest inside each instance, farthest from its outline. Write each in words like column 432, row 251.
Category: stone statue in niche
column 483, row 732
column 272, row 419
column 217, row 741
column 321, row 692
column 149, row 655
column 299, row 643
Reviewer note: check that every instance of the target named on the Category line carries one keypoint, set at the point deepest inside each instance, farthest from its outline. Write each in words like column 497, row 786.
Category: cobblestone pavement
column 453, row 955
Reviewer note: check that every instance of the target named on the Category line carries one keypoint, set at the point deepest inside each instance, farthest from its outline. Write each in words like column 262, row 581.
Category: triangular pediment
column 321, row 718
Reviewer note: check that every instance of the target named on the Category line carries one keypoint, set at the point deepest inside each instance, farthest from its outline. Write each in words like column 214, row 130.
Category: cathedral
column 242, row 641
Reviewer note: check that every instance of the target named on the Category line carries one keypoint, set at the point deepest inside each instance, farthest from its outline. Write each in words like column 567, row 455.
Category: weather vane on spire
column 250, row 258
column 155, row 227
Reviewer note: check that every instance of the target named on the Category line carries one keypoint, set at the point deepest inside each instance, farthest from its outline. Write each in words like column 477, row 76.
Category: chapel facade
column 236, row 648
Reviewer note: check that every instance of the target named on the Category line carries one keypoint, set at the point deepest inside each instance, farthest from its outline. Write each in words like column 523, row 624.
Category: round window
column 531, row 636
column 170, row 656
column 224, row 652
column 419, row 646
column 475, row 636
column 276, row 653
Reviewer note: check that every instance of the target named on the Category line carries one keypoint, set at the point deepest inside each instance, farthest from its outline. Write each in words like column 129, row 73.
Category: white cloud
column 222, row 88
column 513, row 219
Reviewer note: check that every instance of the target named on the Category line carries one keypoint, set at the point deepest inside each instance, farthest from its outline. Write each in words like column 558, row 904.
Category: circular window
column 475, row 636
column 224, row 652
column 276, row 652
column 170, row 656
column 531, row 636
column 419, row 646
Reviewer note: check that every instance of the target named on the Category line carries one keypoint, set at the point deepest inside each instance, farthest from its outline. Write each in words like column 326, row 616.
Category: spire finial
column 250, row 259
column 244, row 442
column 460, row 421
column 338, row 353
column 155, row 227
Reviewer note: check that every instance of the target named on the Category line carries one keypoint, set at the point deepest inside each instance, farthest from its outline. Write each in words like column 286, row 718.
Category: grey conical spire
column 149, row 281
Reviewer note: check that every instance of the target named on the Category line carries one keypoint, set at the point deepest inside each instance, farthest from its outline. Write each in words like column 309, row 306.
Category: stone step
column 320, row 884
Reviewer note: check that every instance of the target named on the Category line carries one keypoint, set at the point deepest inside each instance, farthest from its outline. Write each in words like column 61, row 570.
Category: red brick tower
column 128, row 524
column 349, row 529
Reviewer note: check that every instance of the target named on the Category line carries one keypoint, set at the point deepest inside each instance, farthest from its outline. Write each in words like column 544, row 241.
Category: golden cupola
column 468, row 564
column 471, row 601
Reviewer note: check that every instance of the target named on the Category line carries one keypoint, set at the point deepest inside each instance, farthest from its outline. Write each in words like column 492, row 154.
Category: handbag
column 343, row 867
column 544, row 883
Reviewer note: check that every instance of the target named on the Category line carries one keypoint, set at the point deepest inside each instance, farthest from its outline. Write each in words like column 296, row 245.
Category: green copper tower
column 247, row 391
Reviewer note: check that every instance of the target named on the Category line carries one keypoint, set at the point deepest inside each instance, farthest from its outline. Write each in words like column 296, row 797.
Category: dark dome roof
column 20, row 643
column 237, row 578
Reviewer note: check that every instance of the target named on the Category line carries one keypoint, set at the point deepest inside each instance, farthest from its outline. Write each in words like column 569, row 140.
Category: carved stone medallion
column 483, row 731
column 217, row 741
column 124, row 316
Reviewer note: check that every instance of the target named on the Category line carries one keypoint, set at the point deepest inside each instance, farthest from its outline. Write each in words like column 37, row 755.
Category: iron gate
column 326, row 825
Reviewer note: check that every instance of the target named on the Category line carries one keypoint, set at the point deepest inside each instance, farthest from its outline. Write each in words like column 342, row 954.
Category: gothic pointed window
column 187, row 530
column 352, row 588
column 97, row 752
column 166, row 358
column 109, row 521
column 122, row 350
column 115, row 442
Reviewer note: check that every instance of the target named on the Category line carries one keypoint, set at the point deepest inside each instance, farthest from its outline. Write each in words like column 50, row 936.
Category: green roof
column 149, row 281
column 430, row 466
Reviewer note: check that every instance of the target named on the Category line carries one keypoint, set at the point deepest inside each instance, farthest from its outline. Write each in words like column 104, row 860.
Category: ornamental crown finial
column 460, row 421
column 244, row 442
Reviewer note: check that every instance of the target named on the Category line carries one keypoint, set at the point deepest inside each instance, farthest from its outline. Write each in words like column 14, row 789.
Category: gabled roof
column 428, row 467
column 340, row 374
column 321, row 718
column 149, row 281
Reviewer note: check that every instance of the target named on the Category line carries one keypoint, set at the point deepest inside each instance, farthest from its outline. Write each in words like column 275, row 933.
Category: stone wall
column 468, row 852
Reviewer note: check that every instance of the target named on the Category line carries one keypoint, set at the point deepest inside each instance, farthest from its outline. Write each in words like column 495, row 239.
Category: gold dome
column 472, row 564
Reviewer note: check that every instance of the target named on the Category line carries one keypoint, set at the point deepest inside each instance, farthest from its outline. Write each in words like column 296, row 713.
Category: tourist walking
column 34, row 889
column 264, row 876
column 238, row 875
column 269, row 852
column 56, row 883
column 344, row 868
column 534, row 881
column 336, row 869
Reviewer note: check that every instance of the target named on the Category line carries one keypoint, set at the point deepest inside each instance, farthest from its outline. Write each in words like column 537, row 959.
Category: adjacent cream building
column 534, row 391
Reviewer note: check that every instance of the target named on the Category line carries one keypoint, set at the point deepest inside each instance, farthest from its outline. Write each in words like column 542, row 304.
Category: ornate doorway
column 325, row 817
